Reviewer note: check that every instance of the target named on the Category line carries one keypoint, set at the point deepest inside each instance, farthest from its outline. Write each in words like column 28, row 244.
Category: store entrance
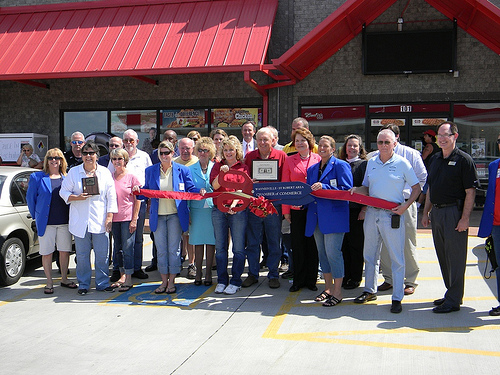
column 412, row 120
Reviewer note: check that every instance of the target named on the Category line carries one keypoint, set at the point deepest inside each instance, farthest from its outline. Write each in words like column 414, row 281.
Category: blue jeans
column 330, row 252
column 139, row 238
column 123, row 253
column 168, row 238
column 99, row 242
column 272, row 226
column 222, row 223
column 377, row 227
column 495, row 233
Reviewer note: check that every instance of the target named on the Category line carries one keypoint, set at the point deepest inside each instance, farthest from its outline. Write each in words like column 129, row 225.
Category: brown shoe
column 384, row 286
column 409, row 290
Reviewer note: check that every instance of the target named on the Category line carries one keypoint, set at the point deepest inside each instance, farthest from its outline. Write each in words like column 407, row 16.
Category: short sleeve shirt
column 125, row 197
column 449, row 178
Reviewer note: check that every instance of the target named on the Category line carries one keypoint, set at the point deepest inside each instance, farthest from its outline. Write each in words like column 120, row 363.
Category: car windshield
column 2, row 180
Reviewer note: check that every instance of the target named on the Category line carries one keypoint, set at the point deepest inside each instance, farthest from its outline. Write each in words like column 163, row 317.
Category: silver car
column 18, row 235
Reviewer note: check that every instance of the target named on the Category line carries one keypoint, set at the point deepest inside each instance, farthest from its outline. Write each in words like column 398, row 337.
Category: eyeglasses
column 54, row 158
column 387, row 143
column 203, row 150
column 165, row 152
column 77, row 142
column 444, row 135
column 115, row 159
column 112, row 145
column 128, row 140
column 91, row 153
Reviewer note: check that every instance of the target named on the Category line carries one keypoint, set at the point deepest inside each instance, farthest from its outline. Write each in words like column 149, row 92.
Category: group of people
column 342, row 237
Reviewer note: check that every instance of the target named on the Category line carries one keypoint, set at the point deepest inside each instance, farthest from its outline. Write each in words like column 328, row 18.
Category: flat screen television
column 407, row 52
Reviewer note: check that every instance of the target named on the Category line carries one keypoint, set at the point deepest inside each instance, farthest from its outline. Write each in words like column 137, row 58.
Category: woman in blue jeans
column 125, row 220
column 328, row 219
column 168, row 218
column 490, row 221
column 232, row 156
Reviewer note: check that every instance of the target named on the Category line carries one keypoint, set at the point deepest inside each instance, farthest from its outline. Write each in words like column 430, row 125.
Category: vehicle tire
column 12, row 261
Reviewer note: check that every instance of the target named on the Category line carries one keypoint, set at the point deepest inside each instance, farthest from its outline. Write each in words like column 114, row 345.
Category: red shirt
column 496, row 212
column 274, row 155
column 239, row 166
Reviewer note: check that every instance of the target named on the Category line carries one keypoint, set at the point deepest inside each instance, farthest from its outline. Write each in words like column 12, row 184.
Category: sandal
column 48, row 290
column 125, row 288
column 332, row 301
column 171, row 290
column 321, row 297
column 117, row 284
column 160, row 290
column 70, row 285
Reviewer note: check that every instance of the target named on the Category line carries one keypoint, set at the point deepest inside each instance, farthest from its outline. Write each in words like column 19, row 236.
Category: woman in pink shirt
column 304, row 251
column 125, row 220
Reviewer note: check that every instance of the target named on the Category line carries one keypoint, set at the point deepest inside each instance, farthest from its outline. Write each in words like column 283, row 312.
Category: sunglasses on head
column 77, row 142
column 54, row 158
column 91, row 153
column 165, row 152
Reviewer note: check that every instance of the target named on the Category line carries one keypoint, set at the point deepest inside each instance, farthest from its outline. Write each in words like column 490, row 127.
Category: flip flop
column 48, row 290
column 125, row 288
column 160, row 290
column 70, row 285
column 172, row 290
column 117, row 284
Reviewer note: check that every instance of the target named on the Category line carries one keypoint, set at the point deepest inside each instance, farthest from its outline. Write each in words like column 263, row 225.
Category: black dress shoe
column 444, row 309
column 314, row 288
column 351, row 284
column 151, row 268
column 115, row 276
column 140, row 274
column 365, row 297
column 294, row 288
column 396, row 307
column 197, row 282
column 439, row 301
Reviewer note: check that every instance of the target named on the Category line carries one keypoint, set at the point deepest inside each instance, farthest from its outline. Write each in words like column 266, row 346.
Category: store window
column 142, row 121
column 84, row 122
column 335, row 121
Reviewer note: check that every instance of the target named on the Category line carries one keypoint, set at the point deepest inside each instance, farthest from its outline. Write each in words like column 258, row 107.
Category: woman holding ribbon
column 354, row 153
column 168, row 218
column 304, row 251
column 201, row 230
column 234, row 219
column 328, row 219
column 51, row 214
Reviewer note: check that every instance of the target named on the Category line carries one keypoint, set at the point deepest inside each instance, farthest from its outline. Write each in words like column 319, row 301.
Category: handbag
column 490, row 252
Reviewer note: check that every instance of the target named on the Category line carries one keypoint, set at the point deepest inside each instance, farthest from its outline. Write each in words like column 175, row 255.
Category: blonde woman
column 51, row 214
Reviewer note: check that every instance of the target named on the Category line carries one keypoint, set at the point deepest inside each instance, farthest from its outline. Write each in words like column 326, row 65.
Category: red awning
column 134, row 38
column 479, row 18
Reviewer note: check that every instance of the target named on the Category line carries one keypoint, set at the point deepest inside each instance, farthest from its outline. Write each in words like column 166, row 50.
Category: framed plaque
column 90, row 185
column 265, row 170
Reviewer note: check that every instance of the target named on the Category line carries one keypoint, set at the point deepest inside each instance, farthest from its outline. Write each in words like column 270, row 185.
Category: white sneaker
column 231, row 289
column 219, row 289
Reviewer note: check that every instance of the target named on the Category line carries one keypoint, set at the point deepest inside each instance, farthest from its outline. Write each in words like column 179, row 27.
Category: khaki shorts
column 55, row 236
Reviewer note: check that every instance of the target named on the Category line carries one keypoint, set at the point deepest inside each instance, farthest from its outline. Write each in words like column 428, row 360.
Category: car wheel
column 13, row 261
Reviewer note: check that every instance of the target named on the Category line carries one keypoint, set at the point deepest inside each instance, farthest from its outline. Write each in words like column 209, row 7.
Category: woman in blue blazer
column 51, row 215
column 490, row 221
column 328, row 219
column 168, row 218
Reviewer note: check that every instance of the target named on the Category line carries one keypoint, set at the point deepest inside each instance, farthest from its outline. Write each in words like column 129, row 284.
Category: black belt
column 443, row 205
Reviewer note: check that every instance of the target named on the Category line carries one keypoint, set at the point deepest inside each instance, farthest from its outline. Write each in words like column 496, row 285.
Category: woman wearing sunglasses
column 125, row 220
column 51, row 215
column 28, row 158
column 168, row 218
column 90, row 216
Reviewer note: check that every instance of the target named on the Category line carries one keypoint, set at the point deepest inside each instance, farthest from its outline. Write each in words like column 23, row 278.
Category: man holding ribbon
column 386, row 176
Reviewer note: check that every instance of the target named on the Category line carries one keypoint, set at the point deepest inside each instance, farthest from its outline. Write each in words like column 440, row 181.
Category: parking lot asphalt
column 258, row 330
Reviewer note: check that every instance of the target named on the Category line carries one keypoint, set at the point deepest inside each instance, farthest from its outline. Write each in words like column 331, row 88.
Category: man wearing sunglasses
column 114, row 142
column 386, row 176
column 74, row 156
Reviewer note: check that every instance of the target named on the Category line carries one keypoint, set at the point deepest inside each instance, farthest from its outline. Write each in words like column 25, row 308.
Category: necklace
column 304, row 157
